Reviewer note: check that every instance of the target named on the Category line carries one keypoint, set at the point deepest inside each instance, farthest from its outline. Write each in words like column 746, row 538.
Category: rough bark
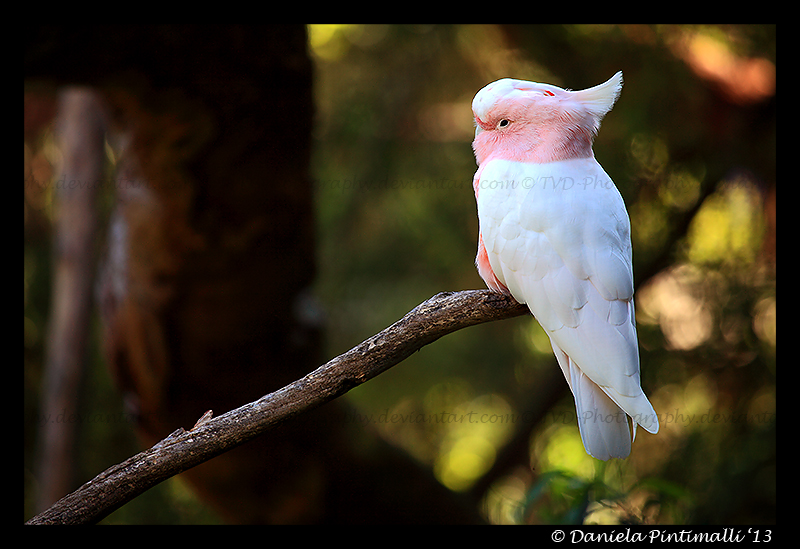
column 442, row 314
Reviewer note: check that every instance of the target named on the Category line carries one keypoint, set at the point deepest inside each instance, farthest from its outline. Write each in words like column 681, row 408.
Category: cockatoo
column 554, row 233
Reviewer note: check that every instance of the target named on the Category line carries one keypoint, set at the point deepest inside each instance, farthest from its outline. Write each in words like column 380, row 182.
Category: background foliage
column 691, row 146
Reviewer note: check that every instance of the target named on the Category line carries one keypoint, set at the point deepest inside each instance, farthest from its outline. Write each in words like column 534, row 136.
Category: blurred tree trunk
column 80, row 131
column 205, row 287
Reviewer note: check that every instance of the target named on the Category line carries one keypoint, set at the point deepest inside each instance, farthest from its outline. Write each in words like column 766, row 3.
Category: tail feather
column 603, row 425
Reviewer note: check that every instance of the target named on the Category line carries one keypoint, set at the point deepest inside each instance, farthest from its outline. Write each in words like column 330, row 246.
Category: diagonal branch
column 440, row 315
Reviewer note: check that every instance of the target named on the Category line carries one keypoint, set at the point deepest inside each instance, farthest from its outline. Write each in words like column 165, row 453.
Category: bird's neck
column 554, row 145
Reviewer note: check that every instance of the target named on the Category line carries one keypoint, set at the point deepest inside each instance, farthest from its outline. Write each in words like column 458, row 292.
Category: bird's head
column 533, row 122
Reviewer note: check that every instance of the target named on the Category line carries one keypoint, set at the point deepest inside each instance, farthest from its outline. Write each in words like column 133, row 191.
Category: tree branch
column 438, row 316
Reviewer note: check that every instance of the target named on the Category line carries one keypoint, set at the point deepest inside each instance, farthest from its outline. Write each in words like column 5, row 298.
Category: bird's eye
column 503, row 123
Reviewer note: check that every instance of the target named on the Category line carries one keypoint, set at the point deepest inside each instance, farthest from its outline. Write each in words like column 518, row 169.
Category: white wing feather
column 558, row 236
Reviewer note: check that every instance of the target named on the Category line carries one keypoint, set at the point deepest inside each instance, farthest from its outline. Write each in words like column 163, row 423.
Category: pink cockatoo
column 554, row 233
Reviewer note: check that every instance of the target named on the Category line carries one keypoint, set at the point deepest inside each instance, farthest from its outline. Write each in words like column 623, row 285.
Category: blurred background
column 691, row 145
